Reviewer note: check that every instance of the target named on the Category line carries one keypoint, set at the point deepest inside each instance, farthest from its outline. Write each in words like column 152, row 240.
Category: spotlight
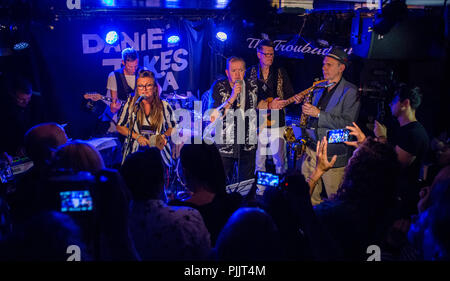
column 173, row 39
column 109, row 3
column 222, row 36
column 21, row 46
column 111, row 37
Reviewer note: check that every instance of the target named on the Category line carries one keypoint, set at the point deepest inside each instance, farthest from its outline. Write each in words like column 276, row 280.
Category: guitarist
column 274, row 87
column 121, row 83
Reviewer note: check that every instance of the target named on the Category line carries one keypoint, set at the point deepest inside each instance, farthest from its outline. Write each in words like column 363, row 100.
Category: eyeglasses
column 267, row 54
column 145, row 86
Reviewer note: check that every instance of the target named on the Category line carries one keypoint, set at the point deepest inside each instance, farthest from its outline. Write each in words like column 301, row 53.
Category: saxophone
column 304, row 118
column 299, row 145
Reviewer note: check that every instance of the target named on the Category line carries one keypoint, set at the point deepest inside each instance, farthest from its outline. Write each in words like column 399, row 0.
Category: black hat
column 339, row 55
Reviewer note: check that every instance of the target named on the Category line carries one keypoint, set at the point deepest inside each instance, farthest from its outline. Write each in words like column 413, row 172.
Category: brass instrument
column 299, row 145
column 308, row 99
column 304, row 118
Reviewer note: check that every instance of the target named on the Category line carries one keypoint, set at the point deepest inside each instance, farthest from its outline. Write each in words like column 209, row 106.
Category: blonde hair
column 156, row 112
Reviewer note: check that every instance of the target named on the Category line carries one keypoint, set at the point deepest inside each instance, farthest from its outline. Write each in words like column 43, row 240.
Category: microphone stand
column 132, row 122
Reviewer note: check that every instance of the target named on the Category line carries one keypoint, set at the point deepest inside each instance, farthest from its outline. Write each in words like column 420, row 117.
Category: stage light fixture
column 222, row 36
column 109, row 3
column 20, row 46
column 112, row 37
column 173, row 39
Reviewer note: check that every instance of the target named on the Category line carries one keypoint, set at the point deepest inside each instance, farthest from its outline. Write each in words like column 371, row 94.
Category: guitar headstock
column 93, row 96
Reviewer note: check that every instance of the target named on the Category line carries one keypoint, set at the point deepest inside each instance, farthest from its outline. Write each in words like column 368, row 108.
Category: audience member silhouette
column 161, row 232
column 205, row 178
column 359, row 214
column 249, row 235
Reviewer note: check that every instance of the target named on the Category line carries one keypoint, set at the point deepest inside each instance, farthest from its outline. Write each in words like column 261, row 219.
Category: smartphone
column 267, row 179
column 338, row 136
column 76, row 201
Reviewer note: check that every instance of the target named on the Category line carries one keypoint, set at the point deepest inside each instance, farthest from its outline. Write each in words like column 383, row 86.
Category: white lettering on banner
column 109, row 47
column 306, row 49
column 170, row 81
column 73, row 4
column 87, row 38
column 127, row 40
column 183, row 62
column 171, row 60
column 165, row 59
column 154, row 34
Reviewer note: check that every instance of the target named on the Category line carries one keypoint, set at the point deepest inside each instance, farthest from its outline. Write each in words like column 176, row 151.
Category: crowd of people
column 345, row 197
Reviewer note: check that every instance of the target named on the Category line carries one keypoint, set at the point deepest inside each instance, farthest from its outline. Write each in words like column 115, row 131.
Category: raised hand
column 355, row 131
column 322, row 163
column 380, row 130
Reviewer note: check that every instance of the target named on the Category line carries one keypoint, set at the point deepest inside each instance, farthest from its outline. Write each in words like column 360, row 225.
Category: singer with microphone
column 333, row 107
column 152, row 120
column 234, row 98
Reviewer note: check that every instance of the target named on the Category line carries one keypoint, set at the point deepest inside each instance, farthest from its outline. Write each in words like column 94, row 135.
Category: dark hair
column 233, row 59
column 370, row 177
column 413, row 94
column 129, row 54
column 250, row 234
column 143, row 172
column 202, row 164
column 266, row 43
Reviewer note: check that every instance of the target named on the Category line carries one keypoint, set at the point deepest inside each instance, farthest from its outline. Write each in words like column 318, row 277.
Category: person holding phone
column 332, row 108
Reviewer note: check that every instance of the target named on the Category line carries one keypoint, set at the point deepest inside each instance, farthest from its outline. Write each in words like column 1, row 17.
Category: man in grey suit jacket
column 332, row 108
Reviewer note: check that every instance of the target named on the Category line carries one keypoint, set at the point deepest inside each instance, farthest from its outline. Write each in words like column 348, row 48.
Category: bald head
column 43, row 139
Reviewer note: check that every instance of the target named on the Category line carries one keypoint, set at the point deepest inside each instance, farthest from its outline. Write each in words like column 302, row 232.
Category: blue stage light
column 109, row 3
column 222, row 36
column 173, row 39
column 21, row 46
column 111, row 37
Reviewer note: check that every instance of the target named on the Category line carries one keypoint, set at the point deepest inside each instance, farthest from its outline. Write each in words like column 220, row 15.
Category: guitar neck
column 108, row 100
column 302, row 94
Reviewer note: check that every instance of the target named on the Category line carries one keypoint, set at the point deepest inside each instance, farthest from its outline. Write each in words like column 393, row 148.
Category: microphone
column 138, row 101
column 238, row 82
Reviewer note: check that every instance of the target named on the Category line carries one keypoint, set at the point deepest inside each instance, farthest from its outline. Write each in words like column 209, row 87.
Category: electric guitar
column 301, row 95
column 94, row 96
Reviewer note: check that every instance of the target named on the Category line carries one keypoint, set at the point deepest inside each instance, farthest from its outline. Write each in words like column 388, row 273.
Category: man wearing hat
column 332, row 108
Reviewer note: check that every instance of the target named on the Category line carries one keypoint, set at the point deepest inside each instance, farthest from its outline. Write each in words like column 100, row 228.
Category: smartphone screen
column 76, row 201
column 338, row 136
column 267, row 179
